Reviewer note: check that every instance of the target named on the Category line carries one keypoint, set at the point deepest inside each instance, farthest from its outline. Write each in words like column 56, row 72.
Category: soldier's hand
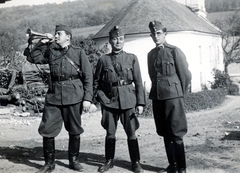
column 139, row 110
column 86, row 105
column 92, row 108
column 49, row 38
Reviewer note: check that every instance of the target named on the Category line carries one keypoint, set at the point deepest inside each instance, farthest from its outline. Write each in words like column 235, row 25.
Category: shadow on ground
column 27, row 156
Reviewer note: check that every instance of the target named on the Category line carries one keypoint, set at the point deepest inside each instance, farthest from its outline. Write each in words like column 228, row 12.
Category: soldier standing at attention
column 120, row 99
column 69, row 93
column 168, row 71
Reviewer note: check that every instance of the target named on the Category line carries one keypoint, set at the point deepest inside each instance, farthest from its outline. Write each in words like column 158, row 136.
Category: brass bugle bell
column 36, row 35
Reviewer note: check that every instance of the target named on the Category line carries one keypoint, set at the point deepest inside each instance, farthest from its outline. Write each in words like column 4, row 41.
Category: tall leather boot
column 180, row 155
column 134, row 155
column 172, row 168
column 109, row 154
column 73, row 152
column 49, row 155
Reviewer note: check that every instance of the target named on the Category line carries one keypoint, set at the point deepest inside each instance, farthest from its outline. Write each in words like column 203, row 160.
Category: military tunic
column 119, row 94
column 68, row 89
column 168, row 71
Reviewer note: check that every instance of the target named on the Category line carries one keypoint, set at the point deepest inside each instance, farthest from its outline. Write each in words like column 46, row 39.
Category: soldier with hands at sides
column 114, row 77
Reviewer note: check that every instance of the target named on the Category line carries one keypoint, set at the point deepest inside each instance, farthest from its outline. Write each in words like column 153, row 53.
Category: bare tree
column 230, row 34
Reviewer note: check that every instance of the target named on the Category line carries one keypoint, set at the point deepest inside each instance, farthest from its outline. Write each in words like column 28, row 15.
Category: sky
column 30, row 2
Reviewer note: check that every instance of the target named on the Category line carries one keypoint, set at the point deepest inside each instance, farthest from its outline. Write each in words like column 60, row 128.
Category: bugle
column 36, row 35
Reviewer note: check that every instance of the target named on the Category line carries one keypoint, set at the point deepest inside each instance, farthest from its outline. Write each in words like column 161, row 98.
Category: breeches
column 127, row 117
column 54, row 116
column 170, row 118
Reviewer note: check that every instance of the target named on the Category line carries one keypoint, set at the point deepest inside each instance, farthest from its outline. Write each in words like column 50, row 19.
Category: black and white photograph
column 120, row 86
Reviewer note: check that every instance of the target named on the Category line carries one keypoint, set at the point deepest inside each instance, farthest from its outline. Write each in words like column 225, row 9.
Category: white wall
column 202, row 53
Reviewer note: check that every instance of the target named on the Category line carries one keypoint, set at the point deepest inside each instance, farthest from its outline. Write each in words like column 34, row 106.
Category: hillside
column 42, row 18
column 213, row 17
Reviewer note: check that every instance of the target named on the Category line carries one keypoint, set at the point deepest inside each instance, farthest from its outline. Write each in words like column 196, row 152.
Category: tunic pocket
column 168, row 66
column 175, row 87
column 108, row 74
column 54, row 68
column 129, row 73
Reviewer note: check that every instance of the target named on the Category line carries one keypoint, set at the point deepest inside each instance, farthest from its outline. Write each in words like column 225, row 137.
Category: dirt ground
column 212, row 143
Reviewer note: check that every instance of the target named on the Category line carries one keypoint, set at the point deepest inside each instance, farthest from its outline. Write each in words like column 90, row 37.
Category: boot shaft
column 133, row 148
column 170, row 152
column 73, row 147
column 49, row 150
column 175, row 152
column 110, row 145
column 179, row 153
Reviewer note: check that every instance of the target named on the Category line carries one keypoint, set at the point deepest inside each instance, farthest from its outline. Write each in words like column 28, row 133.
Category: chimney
column 197, row 6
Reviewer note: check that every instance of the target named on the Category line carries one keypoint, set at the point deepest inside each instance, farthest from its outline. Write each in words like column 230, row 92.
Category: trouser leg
column 134, row 155
column 109, row 154
column 49, row 155
column 73, row 152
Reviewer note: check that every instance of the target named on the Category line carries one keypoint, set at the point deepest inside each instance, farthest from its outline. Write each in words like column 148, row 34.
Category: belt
column 64, row 78
column 121, row 82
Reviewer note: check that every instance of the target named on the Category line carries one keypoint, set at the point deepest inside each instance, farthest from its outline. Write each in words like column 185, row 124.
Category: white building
column 193, row 33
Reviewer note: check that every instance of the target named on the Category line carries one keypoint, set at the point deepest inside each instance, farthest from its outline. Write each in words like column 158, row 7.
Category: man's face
column 117, row 43
column 158, row 37
column 62, row 38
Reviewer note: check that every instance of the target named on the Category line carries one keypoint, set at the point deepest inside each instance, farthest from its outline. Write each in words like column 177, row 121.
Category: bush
column 204, row 99
column 233, row 89
column 195, row 101
column 222, row 80
column 5, row 77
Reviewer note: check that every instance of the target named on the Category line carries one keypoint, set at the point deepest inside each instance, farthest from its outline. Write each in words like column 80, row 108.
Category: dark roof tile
column 135, row 17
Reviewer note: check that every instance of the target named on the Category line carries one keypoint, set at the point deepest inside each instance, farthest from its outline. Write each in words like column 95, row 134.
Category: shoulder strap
column 74, row 65
column 116, row 68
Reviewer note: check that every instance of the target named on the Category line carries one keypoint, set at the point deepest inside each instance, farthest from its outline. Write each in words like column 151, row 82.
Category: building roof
column 135, row 17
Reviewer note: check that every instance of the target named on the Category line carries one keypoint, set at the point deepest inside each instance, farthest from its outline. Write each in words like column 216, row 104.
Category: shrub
column 233, row 89
column 204, row 99
column 222, row 80
column 5, row 77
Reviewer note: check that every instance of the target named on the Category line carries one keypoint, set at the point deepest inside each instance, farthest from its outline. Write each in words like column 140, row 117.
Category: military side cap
column 156, row 26
column 63, row 28
column 116, row 32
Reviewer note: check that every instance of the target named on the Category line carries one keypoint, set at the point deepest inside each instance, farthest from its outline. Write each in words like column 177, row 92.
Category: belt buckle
column 121, row 82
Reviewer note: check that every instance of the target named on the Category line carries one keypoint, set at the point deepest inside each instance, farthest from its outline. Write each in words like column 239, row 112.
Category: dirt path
column 212, row 143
